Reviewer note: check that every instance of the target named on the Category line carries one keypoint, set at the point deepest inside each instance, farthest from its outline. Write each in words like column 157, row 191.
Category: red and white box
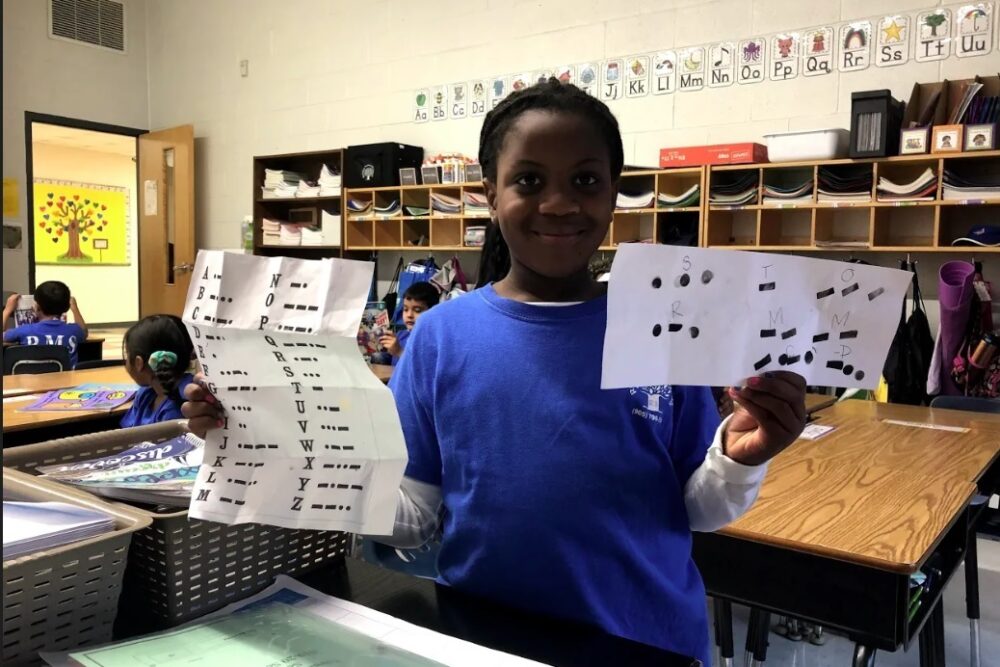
column 696, row 156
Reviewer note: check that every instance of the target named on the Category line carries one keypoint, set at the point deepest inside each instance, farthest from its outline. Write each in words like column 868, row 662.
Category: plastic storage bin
column 807, row 145
column 63, row 598
column 181, row 568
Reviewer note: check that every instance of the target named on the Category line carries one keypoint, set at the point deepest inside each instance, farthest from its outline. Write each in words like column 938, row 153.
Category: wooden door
column 166, row 219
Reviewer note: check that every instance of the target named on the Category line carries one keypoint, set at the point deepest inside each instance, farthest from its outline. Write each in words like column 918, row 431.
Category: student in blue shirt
column 417, row 300
column 551, row 494
column 158, row 351
column 52, row 300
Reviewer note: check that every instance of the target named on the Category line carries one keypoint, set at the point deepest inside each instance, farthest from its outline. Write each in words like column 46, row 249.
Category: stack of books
column 270, row 231
column 280, row 184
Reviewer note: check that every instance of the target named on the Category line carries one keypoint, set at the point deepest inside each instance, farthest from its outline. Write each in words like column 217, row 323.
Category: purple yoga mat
column 955, row 299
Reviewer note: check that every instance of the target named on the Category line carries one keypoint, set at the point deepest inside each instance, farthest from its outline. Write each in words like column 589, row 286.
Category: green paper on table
column 261, row 636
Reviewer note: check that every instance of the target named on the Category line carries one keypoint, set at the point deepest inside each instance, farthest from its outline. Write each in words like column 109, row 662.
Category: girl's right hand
column 202, row 409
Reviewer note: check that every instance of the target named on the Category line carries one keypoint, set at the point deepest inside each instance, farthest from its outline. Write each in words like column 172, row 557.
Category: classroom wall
column 66, row 79
column 104, row 293
column 325, row 74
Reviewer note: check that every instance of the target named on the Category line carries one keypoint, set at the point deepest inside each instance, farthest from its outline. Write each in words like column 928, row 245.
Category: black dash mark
column 763, row 362
column 766, row 287
column 825, row 293
column 768, row 333
column 239, row 502
column 876, row 293
column 849, row 334
column 225, row 500
column 657, row 330
column 303, row 285
column 657, row 283
column 672, row 328
column 819, row 338
column 849, row 289
column 792, row 360
column 835, row 364
column 317, row 388
column 785, row 335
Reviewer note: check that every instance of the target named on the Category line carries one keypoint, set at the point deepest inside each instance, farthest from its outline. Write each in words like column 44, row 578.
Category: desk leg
column 972, row 597
column 762, row 631
column 724, row 631
column 932, row 638
column 864, row 656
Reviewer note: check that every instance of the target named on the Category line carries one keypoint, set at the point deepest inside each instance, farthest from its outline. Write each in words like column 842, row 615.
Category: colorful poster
column 499, row 89
column 521, row 81
column 784, row 57
column 637, row 76
column 611, row 80
column 587, row 78
column 893, row 41
column 439, row 103
column 421, row 110
column 933, row 35
column 692, row 69
column 566, row 74
column 81, row 223
column 721, row 65
column 975, row 29
column 63, row 400
column 750, row 62
column 855, row 46
column 817, row 51
column 541, row 76
column 664, row 72
column 478, row 99
column 459, row 101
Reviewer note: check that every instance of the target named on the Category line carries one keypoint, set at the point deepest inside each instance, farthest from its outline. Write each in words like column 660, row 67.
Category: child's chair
column 22, row 359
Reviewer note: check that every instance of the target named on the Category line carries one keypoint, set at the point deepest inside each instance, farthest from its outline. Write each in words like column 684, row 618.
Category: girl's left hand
column 770, row 415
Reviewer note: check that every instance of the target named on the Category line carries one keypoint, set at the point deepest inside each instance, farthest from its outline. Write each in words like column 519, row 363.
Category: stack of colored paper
column 271, row 231
column 329, row 182
column 922, row 188
column 389, row 210
column 476, row 204
column 641, row 200
column 358, row 208
column 782, row 194
column 959, row 186
column 280, row 184
column 734, row 188
column 307, row 189
column 845, row 184
column 689, row 197
column 31, row 527
column 443, row 203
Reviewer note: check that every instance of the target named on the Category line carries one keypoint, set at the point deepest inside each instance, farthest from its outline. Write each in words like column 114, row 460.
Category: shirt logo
column 655, row 399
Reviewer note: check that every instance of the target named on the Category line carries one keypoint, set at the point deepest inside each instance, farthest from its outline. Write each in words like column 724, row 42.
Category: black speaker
column 378, row 165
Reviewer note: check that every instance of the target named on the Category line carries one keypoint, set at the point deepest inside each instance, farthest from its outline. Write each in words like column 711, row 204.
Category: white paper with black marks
column 708, row 317
column 311, row 438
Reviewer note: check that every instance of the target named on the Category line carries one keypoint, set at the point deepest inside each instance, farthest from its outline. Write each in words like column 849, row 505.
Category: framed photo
column 947, row 139
column 981, row 137
column 914, row 140
column 429, row 175
column 408, row 176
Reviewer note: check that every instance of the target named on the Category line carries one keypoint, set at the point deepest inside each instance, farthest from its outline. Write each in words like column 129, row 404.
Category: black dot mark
column 783, row 360
column 848, row 369
column 684, row 280
column 694, row 332
column 859, row 376
column 809, row 357
column 657, row 330
column 706, row 277
column 657, row 283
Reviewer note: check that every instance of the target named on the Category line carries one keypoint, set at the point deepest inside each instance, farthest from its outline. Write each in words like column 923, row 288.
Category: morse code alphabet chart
column 310, row 438
column 698, row 316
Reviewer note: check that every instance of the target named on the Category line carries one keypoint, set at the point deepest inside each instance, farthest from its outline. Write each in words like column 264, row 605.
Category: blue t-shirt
column 49, row 332
column 559, row 497
column 142, row 411
column 401, row 337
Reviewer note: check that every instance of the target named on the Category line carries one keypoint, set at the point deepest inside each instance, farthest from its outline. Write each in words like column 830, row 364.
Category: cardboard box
column 695, row 156
column 933, row 103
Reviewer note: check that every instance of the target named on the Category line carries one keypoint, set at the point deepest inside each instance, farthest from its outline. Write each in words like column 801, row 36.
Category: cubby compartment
column 732, row 228
column 416, row 232
column 637, row 192
column 734, row 187
column 906, row 227
column 446, row 232
column 785, row 227
column 959, row 221
column 361, row 205
column 904, row 172
column 359, row 233
column 474, row 204
column 843, row 227
column 679, row 227
column 387, row 204
column 788, row 186
column 446, row 202
column 388, row 233
column 679, row 190
column 416, row 202
column 633, row 226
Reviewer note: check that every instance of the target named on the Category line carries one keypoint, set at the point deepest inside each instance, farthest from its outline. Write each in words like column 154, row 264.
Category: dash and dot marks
column 683, row 280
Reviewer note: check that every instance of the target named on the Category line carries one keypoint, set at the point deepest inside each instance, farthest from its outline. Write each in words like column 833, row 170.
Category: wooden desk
column 14, row 421
column 842, row 521
column 817, row 402
column 442, row 609
column 16, row 385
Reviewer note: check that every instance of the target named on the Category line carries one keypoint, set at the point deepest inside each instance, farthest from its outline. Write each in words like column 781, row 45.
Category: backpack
column 909, row 359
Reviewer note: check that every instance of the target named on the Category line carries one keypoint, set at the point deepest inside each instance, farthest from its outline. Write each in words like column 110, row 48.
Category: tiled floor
column 837, row 651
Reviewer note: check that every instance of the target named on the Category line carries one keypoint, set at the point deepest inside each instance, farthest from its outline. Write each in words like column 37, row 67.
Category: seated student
column 418, row 299
column 52, row 300
column 158, row 352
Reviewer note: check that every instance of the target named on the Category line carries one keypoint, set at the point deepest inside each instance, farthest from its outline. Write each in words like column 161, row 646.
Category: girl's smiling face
column 554, row 194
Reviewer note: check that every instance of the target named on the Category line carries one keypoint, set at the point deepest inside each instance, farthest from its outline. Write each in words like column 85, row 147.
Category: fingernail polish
column 754, row 381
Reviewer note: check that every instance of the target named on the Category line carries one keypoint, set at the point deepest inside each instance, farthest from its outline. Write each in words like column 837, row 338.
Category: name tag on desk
column 815, row 431
column 935, row 427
